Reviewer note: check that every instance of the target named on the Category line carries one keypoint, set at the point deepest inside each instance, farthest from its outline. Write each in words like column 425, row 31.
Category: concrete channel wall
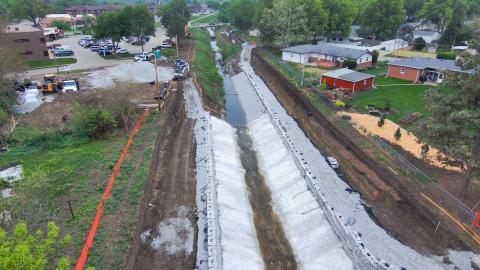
column 363, row 259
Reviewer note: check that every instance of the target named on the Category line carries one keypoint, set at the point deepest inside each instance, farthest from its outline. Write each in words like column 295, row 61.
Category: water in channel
column 276, row 250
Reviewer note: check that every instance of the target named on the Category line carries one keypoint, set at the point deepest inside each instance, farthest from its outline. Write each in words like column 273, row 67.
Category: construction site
column 248, row 187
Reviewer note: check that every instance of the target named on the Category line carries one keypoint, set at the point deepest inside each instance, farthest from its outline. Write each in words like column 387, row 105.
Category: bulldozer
column 51, row 84
column 187, row 32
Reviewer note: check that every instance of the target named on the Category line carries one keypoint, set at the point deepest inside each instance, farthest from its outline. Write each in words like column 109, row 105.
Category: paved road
column 87, row 59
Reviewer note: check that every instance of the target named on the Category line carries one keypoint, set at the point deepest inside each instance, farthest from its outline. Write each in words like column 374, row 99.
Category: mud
column 167, row 216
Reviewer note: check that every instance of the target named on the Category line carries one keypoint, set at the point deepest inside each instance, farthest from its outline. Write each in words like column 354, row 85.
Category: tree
column 340, row 14
column 382, row 18
column 317, row 18
column 375, row 55
column 61, row 24
column 381, row 121
column 411, row 7
column 397, row 134
column 287, row 21
column 453, row 126
column 241, row 13
column 22, row 250
column 112, row 25
column 138, row 20
column 349, row 63
column 32, row 10
column 419, row 44
column 175, row 16
column 425, row 149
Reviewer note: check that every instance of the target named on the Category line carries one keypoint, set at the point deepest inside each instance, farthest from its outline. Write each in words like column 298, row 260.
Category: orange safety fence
column 82, row 260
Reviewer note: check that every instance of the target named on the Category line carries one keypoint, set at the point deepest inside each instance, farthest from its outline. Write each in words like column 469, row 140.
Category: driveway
column 87, row 59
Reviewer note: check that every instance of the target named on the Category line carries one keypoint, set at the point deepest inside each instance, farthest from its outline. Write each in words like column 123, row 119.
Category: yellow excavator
column 50, row 84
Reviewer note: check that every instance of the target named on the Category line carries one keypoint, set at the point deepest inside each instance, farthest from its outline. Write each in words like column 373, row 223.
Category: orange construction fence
column 82, row 260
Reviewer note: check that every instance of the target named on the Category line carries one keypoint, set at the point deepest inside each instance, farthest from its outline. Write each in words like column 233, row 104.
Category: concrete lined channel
column 276, row 250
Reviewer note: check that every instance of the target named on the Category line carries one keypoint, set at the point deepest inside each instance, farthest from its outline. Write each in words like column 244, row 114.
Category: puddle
column 31, row 99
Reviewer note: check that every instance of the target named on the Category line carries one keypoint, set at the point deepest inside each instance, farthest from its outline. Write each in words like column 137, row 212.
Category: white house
column 428, row 35
column 325, row 55
column 393, row 44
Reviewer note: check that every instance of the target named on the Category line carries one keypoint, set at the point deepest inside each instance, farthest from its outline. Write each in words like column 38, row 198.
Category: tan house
column 29, row 41
column 74, row 21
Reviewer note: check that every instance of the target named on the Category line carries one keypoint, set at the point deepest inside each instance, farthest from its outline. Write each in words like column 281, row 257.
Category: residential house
column 325, row 55
column 420, row 69
column 370, row 45
column 428, row 35
column 74, row 21
column 348, row 79
column 28, row 40
column 89, row 9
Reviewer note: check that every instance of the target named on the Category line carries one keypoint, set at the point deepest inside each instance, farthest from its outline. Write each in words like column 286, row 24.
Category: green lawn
column 60, row 167
column 51, row 62
column 205, row 69
column 205, row 18
column 404, row 99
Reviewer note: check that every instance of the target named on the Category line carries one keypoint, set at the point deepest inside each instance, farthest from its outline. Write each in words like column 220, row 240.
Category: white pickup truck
column 332, row 162
column 70, row 86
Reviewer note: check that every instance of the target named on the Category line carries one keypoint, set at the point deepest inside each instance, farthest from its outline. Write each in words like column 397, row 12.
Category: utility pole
column 176, row 40
column 303, row 71
column 156, row 73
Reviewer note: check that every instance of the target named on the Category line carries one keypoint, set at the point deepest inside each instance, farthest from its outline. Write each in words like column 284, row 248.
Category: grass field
column 405, row 53
column 205, row 69
column 60, row 167
column 205, row 18
column 51, row 62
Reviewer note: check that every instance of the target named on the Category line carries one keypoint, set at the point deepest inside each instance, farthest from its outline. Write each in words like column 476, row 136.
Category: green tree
column 397, row 134
column 22, row 250
column 382, row 18
column 241, row 13
column 112, row 25
column 32, row 10
column 375, row 55
column 453, row 126
column 419, row 44
column 175, row 16
column 62, row 25
column 138, row 20
column 340, row 14
column 412, row 6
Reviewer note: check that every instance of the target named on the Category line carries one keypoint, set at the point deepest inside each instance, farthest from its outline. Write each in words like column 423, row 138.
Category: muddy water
column 276, row 250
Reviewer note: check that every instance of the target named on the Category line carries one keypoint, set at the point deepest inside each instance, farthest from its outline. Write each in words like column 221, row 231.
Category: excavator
column 51, row 84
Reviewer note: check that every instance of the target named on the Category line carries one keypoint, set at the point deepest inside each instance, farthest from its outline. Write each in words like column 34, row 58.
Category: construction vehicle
column 50, row 84
column 187, row 32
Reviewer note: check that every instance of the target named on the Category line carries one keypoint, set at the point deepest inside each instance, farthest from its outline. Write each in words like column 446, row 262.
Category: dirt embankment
column 405, row 216
column 166, row 230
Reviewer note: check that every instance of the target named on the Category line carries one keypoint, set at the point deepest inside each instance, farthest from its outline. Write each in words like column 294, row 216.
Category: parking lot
column 87, row 59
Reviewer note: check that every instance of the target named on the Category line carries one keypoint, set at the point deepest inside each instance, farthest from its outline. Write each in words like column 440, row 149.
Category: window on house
column 364, row 82
column 45, row 53
column 27, row 53
column 402, row 71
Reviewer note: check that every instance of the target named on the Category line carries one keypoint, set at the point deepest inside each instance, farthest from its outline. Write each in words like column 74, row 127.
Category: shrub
column 446, row 55
column 340, row 104
column 62, row 25
column 425, row 149
column 398, row 134
column 92, row 122
column 351, row 64
column 375, row 54
column 346, row 117
column 420, row 43
column 381, row 121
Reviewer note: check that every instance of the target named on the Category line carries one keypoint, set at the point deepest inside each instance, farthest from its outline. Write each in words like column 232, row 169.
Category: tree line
column 295, row 21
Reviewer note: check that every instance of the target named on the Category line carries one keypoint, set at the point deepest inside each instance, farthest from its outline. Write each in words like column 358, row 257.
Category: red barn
column 348, row 79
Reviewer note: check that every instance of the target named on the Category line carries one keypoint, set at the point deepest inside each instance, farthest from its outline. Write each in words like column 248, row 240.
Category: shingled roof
column 327, row 50
column 423, row 63
column 347, row 75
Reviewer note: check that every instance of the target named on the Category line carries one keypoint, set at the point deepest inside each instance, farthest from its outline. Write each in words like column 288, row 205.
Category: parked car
column 332, row 162
column 63, row 52
column 168, row 43
column 180, row 73
column 94, row 48
column 121, row 51
column 104, row 52
column 53, row 46
column 143, row 57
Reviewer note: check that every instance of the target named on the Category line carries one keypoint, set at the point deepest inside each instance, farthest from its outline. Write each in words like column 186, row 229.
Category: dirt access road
column 166, row 230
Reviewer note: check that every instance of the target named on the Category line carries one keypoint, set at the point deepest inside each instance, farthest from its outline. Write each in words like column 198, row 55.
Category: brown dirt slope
column 169, row 195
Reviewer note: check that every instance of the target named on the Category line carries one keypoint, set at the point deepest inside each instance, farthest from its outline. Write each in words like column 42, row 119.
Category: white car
column 69, row 86
column 143, row 57
column 121, row 51
column 332, row 162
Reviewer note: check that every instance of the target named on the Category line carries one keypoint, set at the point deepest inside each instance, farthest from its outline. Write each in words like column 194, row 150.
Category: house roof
column 423, row 63
column 327, row 49
column 347, row 75
column 425, row 33
column 22, row 27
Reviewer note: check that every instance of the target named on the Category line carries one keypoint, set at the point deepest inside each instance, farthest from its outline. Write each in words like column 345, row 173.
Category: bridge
column 206, row 25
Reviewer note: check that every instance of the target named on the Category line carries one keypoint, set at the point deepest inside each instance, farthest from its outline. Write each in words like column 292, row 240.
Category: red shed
column 348, row 79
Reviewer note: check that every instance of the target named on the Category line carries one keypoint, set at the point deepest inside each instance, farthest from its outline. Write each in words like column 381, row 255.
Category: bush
column 351, row 64
column 375, row 54
column 446, row 55
column 92, row 122
column 340, row 104
column 420, row 43
column 381, row 121
column 346, row 117
column 61, row 24
column 398, row 134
